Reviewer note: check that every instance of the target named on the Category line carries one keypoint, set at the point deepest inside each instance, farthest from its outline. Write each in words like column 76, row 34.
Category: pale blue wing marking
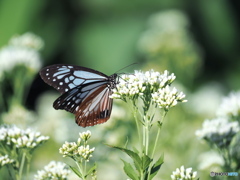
column 93, row 86
column 66, row 80
column 87, row 75
column 71, row 85
column 78, row 81
column 64, row 71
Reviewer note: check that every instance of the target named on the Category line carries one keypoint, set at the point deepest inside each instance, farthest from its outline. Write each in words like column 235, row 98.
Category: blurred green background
column 199, row 42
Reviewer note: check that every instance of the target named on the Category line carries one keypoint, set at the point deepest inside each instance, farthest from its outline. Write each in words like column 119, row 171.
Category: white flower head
column 140, row 83
column 54, row 170
column 230, row 106
column 219, row 131
column 14, row 136
column 166, row 98
column 4, row 160
column 28, row 40
column 21, row 51
column 183, row 174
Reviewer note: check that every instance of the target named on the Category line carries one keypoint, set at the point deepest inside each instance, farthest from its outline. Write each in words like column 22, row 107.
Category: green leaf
column 75, row 170
column 156, row 166
column 146, row 160
column 129, row 170
column 135, row 157
column 159, row 124
column 92, row 169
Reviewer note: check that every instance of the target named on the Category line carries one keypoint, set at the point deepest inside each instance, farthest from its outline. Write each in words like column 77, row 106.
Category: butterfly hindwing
column 95, row 108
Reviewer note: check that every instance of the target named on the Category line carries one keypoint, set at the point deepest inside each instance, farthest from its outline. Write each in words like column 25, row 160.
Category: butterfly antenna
column 126, row 67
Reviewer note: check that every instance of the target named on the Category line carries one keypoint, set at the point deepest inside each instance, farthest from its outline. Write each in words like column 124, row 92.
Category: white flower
column 230, row 106
column 183, row 174
column 139, row 83
column 12, row 56
column 5, row 160
column 21, row 51
column 219, row 131
column 167, row 98
column 28, row 40
column 19, row 138
column 54, row 170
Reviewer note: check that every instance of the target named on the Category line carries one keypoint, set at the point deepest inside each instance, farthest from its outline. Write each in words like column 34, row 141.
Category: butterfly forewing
column 65, row 77
column 85, row 92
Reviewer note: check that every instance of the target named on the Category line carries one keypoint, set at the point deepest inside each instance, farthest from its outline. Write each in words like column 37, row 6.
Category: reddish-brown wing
column 95, row 108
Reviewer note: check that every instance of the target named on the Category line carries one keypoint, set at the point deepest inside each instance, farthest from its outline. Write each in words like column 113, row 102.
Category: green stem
column 80, row 169
column 134, row 110
column 156, row 142
column 147, row 136
column 28, row 167
column 158, row 133
column 22, row 165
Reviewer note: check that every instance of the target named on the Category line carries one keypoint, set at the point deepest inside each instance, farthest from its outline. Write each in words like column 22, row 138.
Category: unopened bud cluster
column 79, row 150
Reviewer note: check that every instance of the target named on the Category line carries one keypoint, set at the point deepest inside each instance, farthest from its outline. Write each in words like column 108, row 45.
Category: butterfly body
column 85, row 92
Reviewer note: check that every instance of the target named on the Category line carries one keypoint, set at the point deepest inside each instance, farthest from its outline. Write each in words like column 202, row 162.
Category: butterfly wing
column 65, row 77
column 85, row 92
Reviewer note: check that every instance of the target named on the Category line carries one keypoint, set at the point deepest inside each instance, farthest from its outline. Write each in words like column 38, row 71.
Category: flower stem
column 22, row 166
column 158, row 133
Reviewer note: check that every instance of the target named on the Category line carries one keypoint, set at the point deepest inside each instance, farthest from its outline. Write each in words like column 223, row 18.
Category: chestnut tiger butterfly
column 84, row 92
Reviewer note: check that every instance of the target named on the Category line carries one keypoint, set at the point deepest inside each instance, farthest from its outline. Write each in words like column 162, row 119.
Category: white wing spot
column 61, row 83
column 66, row 90
column 70, row 66
column 47, row 69
column 54, row 79
column 47, row 74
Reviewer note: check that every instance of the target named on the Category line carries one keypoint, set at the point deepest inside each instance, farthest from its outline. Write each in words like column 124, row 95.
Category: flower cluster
column 12, row 136
column 80, row 150
column 54, row 170
column 166, row 98
column 22, row 50
column 150, row 85
column 4, row 160
column 183, row 174
column 230, row 106
column 28, row 40
column 219, row 131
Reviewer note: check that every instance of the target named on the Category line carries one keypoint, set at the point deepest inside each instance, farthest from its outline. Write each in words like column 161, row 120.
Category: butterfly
column 84, row 92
